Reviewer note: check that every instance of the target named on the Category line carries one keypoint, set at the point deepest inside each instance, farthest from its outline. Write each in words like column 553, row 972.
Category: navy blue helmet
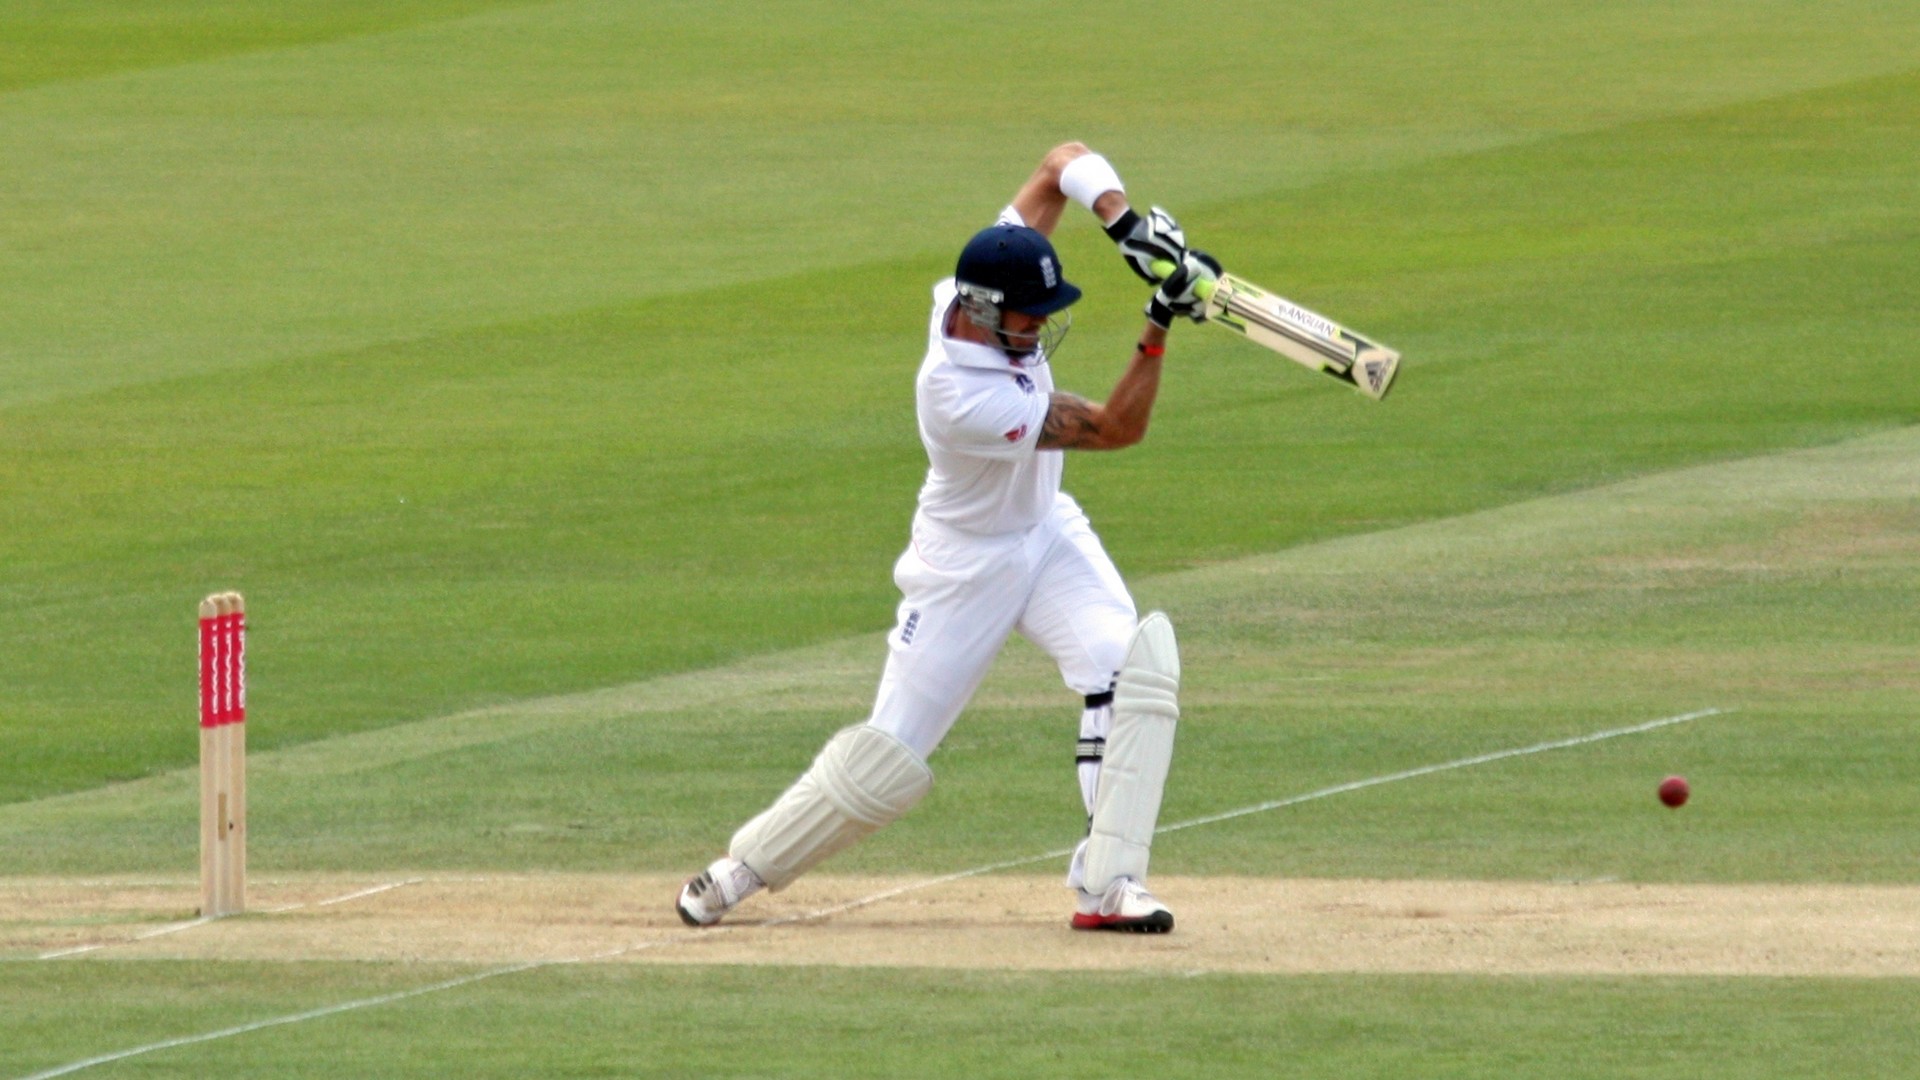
column 1014, row 268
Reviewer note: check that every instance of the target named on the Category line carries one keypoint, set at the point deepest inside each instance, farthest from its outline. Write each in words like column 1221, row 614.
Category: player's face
column 1022, row 331
column 1024, row 335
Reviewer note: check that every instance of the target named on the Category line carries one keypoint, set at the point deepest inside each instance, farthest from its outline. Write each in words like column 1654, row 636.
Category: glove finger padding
column 1161, row 305
column 1145, row 241
column 1194, row 305
column 1180, row 294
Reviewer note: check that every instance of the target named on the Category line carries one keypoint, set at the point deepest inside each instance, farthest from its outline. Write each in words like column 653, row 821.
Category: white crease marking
column 204, row 920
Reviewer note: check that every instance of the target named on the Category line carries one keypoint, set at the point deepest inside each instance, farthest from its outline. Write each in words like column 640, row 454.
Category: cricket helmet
column 1013, row 268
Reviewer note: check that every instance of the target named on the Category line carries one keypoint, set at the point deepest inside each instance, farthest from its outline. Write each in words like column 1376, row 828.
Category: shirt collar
column 973, row 354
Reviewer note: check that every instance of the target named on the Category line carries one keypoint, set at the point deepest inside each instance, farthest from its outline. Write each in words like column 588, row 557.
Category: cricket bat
column 1303, row 336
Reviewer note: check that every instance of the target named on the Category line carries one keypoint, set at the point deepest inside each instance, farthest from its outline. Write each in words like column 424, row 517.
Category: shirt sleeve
column 987, row 414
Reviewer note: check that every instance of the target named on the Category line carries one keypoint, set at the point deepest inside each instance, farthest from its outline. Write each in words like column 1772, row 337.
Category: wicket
column 223, row 755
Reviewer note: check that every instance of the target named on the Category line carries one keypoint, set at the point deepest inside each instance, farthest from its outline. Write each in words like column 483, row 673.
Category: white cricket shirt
column 980, row 420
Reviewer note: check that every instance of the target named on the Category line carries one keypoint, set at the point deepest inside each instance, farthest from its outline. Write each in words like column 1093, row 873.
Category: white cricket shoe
column 713, row 892
column 1126, row 905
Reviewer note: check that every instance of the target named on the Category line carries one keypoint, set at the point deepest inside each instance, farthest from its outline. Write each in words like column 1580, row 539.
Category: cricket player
column 998, row 547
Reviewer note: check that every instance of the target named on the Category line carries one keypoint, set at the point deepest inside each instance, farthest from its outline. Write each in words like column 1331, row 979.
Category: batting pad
column 863, row 779
column 1146, row 708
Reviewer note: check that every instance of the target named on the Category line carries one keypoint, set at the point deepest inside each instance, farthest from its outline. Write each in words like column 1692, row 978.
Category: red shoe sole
column 1159, row 922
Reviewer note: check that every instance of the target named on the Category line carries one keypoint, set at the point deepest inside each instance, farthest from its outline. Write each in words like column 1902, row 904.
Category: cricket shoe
column 718, row 889
column 1126, row 905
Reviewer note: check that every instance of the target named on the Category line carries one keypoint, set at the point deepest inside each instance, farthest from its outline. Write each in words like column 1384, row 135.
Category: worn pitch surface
column 1002, row 922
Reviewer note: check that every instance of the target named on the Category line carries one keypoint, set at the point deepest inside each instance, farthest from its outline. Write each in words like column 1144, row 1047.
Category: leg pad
column 1133, row 774
column 863, row 779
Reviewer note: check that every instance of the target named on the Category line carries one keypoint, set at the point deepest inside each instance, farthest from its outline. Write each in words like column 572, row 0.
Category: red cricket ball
column 1674, row 791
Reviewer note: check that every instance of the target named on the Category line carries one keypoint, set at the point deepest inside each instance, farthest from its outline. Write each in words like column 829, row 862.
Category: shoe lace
column 1124, row 890
column 698, row 886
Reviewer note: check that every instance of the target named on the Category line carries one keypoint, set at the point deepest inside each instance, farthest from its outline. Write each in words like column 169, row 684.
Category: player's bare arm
column 1153, row 245
column 1074, row 423
column 1041, row 200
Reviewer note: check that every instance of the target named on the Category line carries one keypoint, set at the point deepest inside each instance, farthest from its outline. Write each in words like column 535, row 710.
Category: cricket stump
column 223, row 755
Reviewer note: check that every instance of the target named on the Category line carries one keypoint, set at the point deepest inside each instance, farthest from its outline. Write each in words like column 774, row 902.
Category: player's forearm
column 1071, row 171
column 1041, row 199
column 1074, row 423
column 1130, row 407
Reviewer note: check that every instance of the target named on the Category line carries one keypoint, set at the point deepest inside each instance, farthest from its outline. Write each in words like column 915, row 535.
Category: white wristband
column 1088, row 177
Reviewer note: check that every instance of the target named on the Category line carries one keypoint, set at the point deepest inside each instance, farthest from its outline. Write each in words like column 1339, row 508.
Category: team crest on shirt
column 1023, row 382
column 1017, row 434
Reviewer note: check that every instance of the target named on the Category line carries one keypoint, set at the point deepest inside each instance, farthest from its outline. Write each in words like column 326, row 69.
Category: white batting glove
column 1186, row 291
column 1145, row 241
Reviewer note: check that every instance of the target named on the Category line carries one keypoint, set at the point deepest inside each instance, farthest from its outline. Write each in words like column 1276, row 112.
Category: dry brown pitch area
column 999, row 922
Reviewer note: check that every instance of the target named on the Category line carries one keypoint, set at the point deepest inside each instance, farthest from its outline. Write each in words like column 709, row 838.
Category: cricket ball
column 1674, row 791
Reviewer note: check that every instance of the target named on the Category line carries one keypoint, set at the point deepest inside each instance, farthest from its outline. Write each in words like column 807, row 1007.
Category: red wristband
column 1152, row 352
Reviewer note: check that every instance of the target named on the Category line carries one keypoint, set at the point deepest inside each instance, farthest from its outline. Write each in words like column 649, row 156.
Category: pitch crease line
column 203, row 920
column 1428, row 770
column 851, row 905
column 372, row 890
column 160, row 932
column 357, row 894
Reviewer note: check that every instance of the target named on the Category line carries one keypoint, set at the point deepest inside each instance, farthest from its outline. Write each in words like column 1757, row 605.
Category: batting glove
column 1186, row 292
column 1144, row 241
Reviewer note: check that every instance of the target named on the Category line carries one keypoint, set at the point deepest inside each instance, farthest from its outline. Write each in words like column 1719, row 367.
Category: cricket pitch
column 999, row 922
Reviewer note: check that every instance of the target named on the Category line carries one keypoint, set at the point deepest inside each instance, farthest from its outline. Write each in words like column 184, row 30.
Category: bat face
column 1303, row 336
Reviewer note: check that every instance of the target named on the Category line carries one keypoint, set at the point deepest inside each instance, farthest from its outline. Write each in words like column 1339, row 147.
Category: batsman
column 998, row 547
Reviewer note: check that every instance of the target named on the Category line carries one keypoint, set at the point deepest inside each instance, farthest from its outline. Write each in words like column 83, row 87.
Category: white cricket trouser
column 962, row 594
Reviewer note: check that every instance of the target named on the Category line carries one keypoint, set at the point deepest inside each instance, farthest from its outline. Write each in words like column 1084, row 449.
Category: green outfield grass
column 647, row 1021
column 666, row 443
column 542, row 373
column 1776, row 588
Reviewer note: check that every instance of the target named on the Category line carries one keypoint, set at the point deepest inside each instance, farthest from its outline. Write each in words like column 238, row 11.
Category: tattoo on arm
column 1070, row 422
